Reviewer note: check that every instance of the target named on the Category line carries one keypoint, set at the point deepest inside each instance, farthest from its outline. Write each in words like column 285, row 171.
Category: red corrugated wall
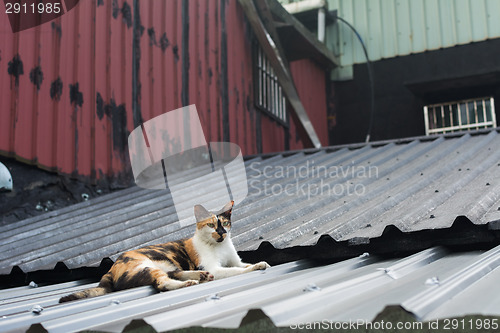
column 91, row 76
column 310, row 81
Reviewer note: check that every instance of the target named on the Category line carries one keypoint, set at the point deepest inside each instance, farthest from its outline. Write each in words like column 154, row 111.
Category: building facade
column 72, row 89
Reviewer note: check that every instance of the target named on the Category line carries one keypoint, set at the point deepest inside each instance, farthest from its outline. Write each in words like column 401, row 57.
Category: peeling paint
column 210, row 74
column 164, row 43
column 115, row 9
column 75, row 96
column 99, row 106
column 152, row 36
column 15, row 68
column 56, row 88
column 127, row 14
column 57, row 28
column 175, row 50
column 118, row 116
column 36, row 77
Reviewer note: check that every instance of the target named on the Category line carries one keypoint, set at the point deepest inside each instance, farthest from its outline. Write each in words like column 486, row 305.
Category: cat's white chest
column 215, row 255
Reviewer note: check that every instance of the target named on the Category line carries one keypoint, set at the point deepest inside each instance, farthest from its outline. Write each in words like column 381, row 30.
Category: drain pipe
column 321, row 24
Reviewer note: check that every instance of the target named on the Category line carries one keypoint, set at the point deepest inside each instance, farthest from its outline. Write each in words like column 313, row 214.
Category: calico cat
column 208, row 255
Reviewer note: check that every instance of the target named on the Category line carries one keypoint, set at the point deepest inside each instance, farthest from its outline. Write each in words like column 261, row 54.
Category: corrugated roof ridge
column 43, row 299
column 14, row 293
column 482, row 165
column 365, row 153
column 422, row 304
column 84, row 217
column 297, row 307
column 345, row 229
column 313, row 224
column 400, row 268
column 373, row 144
column 97, row 203
column 246, row 210
column 186, row 231
column 171, row 300
column 176, row 318
column 392, row 240
column 151, row 196
column 53, row 310
column 61, row 213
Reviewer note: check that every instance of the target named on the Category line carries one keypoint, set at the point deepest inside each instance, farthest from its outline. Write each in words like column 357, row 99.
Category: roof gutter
column 303, row 6
column 311, row 5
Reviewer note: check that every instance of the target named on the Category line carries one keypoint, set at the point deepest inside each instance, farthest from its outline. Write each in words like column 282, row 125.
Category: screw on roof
column 311, row 287
column 37, row 309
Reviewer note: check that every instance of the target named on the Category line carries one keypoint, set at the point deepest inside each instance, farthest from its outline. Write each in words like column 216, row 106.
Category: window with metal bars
column 464, row 115
column 268, row 94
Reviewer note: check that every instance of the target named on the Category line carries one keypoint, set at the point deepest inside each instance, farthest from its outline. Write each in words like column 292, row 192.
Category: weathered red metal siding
column 108, row 66
column 310, row 81
column 57, row 124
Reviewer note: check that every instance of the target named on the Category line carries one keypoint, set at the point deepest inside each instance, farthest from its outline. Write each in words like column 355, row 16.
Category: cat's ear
column 227, row 209
column 201, row 214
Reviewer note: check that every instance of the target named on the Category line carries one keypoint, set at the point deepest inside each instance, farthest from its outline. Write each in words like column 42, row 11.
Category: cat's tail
column 105, row 286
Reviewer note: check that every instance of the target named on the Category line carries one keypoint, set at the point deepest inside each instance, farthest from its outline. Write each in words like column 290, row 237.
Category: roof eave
column 302, row 43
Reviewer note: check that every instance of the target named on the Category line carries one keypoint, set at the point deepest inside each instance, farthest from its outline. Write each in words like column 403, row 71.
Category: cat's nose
column 221, row 231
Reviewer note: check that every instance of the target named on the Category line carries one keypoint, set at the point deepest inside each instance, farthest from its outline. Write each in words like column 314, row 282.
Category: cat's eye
column 211, row 225
column 225, row 224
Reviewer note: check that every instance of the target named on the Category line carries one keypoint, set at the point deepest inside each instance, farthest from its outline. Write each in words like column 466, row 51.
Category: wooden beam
column 280, row 67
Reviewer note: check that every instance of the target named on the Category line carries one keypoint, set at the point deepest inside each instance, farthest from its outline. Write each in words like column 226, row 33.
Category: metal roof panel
column 434, row 283
column 352, row 192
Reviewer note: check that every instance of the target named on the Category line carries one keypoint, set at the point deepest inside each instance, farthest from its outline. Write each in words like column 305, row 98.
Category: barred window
column 464, row 115
column 268, row 92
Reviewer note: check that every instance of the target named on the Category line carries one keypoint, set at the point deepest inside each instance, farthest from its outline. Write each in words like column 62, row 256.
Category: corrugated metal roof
column 431, row 284
column 351, row 194
column 392, row 28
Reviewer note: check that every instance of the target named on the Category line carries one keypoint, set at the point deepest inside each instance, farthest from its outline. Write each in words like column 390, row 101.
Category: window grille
column 458, row 116
column 269, row 95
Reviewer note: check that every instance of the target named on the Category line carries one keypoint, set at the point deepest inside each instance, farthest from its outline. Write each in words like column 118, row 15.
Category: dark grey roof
column 350, row 193
column 432, row 284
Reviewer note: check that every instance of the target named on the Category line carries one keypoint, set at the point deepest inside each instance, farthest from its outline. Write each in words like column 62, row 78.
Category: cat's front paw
column 206, row 276
column 261, row 266
column 189, row 283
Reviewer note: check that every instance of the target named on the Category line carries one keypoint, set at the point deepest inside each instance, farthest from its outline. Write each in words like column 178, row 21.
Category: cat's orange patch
column 202, row 224
column 193, row 255
column 216, row 236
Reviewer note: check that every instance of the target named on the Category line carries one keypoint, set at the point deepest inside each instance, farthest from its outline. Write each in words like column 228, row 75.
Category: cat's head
column 214, row 226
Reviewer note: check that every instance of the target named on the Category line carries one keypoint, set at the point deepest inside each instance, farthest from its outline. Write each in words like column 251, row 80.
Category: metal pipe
column 321, row 24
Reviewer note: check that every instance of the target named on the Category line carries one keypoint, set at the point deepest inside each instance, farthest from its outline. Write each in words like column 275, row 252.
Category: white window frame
column 463, row 115
column 269, row 96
